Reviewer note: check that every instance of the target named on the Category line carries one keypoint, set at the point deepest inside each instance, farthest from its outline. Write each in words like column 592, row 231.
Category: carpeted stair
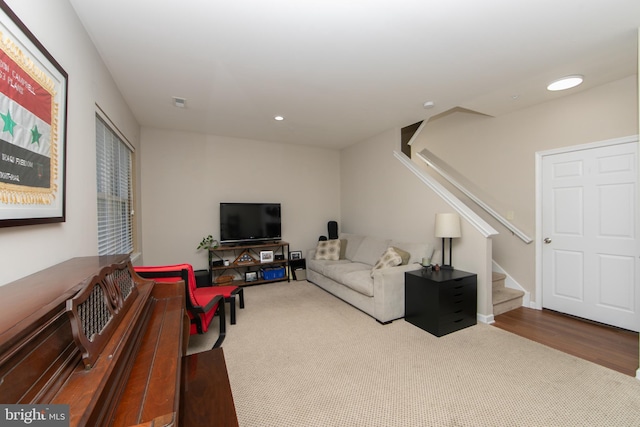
column 504, row 299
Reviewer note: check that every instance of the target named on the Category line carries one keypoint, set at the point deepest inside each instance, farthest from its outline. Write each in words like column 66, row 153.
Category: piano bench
column 205, row 397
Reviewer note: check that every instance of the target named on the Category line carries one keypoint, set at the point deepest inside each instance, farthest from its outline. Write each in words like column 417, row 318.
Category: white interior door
column 590, row 256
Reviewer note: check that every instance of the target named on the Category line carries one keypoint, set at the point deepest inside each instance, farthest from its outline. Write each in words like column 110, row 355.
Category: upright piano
column 92, row 334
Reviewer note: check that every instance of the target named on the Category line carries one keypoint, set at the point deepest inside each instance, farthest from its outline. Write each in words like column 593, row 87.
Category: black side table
column 440, row 302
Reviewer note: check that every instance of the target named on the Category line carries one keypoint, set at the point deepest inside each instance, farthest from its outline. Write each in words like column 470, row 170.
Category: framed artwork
column 250, row 276
column 266, row 256
column 33, row 127
column 295, row 255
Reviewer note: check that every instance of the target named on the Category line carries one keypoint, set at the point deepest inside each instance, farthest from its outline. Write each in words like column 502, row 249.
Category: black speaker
column 332, row 226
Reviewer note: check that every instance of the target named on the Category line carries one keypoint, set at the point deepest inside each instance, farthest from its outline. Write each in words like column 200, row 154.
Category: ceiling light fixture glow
column 278, row 118
column 565, row 83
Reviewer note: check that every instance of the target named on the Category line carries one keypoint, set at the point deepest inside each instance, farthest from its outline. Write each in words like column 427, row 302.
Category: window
column 115, row 201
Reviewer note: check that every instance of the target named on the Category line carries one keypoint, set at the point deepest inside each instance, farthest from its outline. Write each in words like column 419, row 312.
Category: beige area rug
column 300, row 357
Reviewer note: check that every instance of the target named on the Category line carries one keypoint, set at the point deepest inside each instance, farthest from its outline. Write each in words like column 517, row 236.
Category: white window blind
column 115, row 201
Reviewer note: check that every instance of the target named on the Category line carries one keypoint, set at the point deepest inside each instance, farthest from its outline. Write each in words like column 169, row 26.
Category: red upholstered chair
column 202, row 303
column 228, row 291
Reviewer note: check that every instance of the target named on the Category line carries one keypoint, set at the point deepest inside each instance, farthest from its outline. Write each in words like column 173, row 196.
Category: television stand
column 245, row 258
column 250, row 243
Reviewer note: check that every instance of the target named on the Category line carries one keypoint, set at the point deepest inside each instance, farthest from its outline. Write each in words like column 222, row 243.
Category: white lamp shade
column 447, row 225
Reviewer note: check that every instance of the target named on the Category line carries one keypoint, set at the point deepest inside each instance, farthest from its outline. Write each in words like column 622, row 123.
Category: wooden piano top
column 141, row 378
column 27, row 297
column 125, row 371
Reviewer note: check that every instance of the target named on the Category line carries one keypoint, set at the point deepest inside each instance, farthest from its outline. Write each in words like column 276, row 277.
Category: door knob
column 547, row 240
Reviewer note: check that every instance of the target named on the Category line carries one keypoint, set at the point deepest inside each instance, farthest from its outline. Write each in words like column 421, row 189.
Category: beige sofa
column 352, row 277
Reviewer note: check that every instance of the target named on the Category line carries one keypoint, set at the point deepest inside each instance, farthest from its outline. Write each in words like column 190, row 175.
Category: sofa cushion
column 406, row 256
column 338, row 271
column 370, row 250
column 328, row 250
column 390, row 258
column 417, row 250
column 353, row 243
column 360, row 281
column 321, row 266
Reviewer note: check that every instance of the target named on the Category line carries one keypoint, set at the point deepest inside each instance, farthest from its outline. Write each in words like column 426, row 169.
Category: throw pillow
column 343, row 248
column 328, row 250
column 417, row 250
column 403, row 254
column 389, row 258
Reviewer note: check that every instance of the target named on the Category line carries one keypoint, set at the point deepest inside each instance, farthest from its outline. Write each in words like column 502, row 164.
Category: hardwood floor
column 605, row 345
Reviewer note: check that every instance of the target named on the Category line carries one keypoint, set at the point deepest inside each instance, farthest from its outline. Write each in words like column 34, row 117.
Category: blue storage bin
column 272, row 273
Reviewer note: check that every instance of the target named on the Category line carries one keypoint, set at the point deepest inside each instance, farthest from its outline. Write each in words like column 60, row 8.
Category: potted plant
column 207, row 243
column 203, row 277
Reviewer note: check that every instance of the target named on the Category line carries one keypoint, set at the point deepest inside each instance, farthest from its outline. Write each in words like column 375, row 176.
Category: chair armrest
column 388, row 291
column 386, row 279
column 207, row 308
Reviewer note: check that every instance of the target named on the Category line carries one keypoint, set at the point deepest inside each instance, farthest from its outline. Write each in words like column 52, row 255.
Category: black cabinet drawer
column 452, row 317
column 440, row 302
column 457, row 292
column 454, row 324
column 453, row 305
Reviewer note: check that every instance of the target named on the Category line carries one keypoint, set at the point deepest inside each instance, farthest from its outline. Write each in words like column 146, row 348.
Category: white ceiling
column 341, row 71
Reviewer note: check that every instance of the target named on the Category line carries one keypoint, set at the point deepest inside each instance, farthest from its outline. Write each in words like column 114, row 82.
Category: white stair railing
column 473, row 218
column 425, row 155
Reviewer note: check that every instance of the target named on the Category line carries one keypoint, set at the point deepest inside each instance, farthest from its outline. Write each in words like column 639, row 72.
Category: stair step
column 506, row 299
column 498, row 280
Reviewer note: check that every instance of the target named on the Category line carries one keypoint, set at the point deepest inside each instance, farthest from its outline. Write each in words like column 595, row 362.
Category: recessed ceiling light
column 428, row 104
column 565, row 83
column 279, row 118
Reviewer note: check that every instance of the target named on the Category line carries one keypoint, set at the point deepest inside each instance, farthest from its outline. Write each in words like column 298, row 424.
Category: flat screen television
column 250, row 222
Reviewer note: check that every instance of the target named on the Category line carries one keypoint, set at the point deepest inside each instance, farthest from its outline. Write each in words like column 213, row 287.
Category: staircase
column 504, row 299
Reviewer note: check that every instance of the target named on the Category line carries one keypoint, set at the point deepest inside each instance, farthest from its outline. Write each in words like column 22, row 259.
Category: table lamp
column 447, row 227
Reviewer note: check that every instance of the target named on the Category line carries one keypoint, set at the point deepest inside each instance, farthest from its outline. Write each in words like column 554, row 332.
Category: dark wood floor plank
column 605, row 345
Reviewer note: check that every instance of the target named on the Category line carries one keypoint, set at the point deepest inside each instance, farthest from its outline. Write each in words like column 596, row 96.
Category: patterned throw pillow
column 406, row 256
column 328, row 250
column 390, row 258
column 343, row 248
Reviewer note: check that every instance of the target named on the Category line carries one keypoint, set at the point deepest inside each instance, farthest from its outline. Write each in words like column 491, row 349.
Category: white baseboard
column 488, row 319
column 638, row 374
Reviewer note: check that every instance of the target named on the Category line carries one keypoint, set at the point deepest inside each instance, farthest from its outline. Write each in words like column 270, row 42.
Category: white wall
column 380, row 197
column 28, row 249
column 186, row 175
column 497, row 154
